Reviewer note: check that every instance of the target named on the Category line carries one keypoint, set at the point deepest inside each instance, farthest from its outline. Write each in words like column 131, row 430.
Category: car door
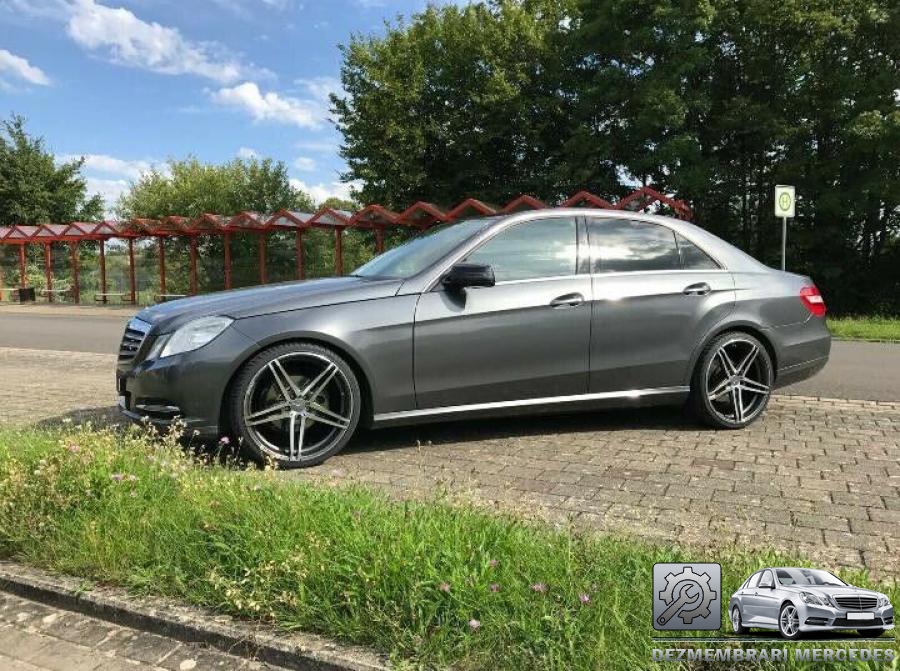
column 656, row 294
column 526, row 337
column 766, row 599
column 750, row 605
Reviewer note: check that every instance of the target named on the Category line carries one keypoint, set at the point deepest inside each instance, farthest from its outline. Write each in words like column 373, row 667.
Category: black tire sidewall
column 700, row 402
column 246, row 374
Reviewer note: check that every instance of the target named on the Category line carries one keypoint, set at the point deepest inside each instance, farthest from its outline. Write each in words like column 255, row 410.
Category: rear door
column 655, row 295
column 526, row 337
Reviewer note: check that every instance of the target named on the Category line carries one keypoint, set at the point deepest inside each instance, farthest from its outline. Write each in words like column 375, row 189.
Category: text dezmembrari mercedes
column 538, row 311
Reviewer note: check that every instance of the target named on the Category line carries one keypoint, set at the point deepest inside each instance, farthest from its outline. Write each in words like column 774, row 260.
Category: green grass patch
column 433, row 584
column 865, row 328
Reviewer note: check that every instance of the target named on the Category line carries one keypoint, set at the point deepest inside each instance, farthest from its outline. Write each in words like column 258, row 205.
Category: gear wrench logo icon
column 687, row 596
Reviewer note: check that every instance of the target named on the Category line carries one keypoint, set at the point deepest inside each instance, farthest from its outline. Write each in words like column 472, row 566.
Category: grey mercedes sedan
column 798, row 600
column 546, row 310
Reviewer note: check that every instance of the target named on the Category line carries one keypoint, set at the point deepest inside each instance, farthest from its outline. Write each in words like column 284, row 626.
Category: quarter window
column 692, row 257
column 533, row 249
column 619, row 245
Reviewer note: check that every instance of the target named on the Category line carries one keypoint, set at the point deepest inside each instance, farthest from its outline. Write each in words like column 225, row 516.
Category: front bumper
column 826, row 618
column 188, row 388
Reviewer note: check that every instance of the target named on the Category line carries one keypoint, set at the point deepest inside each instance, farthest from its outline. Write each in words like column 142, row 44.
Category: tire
column 789, row 614
column 730, row 399
column 304, row 383
column 737, row 624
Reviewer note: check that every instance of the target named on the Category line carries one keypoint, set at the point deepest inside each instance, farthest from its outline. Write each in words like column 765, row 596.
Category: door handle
column 699, row 289
column 567, row 301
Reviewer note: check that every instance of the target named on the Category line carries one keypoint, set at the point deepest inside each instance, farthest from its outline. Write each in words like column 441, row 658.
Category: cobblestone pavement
column 815, row 475
column 37, row 637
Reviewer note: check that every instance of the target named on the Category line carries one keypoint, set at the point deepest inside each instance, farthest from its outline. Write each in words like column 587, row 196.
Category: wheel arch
column 225, row 426
column 749, row 328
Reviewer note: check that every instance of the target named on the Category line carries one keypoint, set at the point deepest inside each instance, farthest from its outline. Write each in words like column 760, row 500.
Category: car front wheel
column 295, row 404
column 789, row 622
column 733, row 381
column 736, row 624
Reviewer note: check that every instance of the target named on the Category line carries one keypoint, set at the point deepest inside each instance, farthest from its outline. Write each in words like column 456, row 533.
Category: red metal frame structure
column 376, row 218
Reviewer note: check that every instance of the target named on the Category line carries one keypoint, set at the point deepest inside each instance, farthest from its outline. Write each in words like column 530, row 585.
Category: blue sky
column 130, row 83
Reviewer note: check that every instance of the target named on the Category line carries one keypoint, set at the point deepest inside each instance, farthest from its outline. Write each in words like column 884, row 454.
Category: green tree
column 453, row 103
column 33, row 188
column 190, row 188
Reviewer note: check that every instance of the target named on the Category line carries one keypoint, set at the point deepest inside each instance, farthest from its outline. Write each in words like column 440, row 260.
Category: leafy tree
column 190, row 188
column 33, row 188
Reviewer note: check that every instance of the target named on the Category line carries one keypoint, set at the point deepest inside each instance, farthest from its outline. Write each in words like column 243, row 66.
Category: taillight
column 813, row 300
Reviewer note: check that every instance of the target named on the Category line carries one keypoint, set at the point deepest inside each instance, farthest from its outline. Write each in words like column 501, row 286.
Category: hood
column 847, row 590
column 254, row 301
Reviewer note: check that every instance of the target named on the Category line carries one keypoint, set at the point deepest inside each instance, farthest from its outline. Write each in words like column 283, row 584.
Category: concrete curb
column 189, row 624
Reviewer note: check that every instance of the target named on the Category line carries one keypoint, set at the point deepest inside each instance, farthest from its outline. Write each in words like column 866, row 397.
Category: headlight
column 191, row 336
column 812, row 598
column 883, row 602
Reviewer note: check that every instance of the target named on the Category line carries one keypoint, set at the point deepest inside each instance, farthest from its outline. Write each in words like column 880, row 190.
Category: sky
column 130, row 83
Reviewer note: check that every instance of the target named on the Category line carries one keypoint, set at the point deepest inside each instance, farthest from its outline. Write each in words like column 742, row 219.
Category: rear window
column 692, row 257
column 620, row 245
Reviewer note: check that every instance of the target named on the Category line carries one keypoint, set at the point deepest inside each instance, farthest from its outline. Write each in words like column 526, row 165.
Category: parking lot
column 819, row 476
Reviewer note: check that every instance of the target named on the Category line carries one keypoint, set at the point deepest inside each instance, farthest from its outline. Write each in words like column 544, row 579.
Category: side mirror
column 464, row 275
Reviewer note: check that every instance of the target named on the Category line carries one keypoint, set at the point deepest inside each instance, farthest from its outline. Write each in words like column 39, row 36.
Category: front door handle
column 699, row 289
column 567, row 301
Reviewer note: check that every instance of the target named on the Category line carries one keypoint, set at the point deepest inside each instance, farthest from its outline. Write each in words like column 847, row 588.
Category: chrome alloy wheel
column 789, row 622
column 735, row 619
column 738, row 380
column 298, row 406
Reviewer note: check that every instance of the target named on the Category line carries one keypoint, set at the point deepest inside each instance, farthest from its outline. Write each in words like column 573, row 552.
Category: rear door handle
column 699, row 289
column 567, row 301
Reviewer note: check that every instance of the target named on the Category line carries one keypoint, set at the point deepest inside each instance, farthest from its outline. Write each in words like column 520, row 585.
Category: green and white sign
column 784, row 201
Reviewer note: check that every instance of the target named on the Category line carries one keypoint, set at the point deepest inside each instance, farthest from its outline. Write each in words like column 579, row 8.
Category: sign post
column 784, row 208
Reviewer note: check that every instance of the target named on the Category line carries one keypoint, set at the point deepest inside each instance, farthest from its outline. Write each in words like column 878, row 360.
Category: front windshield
column 424, row 250
column 807, row 576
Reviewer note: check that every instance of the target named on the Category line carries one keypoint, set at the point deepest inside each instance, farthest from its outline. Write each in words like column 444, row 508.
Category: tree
column 453, row 103
column 190, row 188
column 33, row 188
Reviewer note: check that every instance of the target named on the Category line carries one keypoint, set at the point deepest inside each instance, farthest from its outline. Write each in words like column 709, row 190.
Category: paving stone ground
column 819, row 476
column 37, row 637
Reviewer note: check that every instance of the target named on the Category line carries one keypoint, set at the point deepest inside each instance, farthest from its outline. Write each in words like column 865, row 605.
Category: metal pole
column 76, row 293
column 131, row 280
column 783, row 242
column 23, row 274
column 48, row 271
column 103, row 269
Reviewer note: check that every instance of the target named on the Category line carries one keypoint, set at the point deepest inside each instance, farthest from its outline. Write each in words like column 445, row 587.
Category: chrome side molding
column 526, row 402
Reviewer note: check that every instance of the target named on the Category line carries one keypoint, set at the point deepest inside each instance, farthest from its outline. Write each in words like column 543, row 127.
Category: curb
column 189, row 624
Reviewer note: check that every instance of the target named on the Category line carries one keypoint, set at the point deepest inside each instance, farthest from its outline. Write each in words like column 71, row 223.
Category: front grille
column 135, row 332
column 856, row 602
column 855, row 624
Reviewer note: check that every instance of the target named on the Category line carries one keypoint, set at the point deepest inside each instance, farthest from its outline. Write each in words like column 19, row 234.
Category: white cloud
column 271, row 106
column 112, row 166
column 109, row 190
column 318, row 146
column 128, row 40
column 20, row 68
column 322, row 191
column 305, row 164
column 321, row 88
column 247, row 153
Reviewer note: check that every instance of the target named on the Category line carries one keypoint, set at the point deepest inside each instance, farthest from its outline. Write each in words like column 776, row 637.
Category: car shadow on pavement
column 661, row 418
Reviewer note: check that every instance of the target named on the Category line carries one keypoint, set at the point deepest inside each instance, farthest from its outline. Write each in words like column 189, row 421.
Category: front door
column 526, row 337
column 655, row 295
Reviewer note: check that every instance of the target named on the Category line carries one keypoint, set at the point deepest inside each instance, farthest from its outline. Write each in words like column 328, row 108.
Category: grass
column 430, row 583
column 865, row 328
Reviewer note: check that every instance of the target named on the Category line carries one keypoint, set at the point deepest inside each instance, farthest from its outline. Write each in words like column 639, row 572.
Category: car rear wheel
column 736, row 624
column 789, row 622
column 733, row 381
column 295, row 404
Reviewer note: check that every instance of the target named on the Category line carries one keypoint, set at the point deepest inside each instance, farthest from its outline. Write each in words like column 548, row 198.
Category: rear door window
column 621, row 245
